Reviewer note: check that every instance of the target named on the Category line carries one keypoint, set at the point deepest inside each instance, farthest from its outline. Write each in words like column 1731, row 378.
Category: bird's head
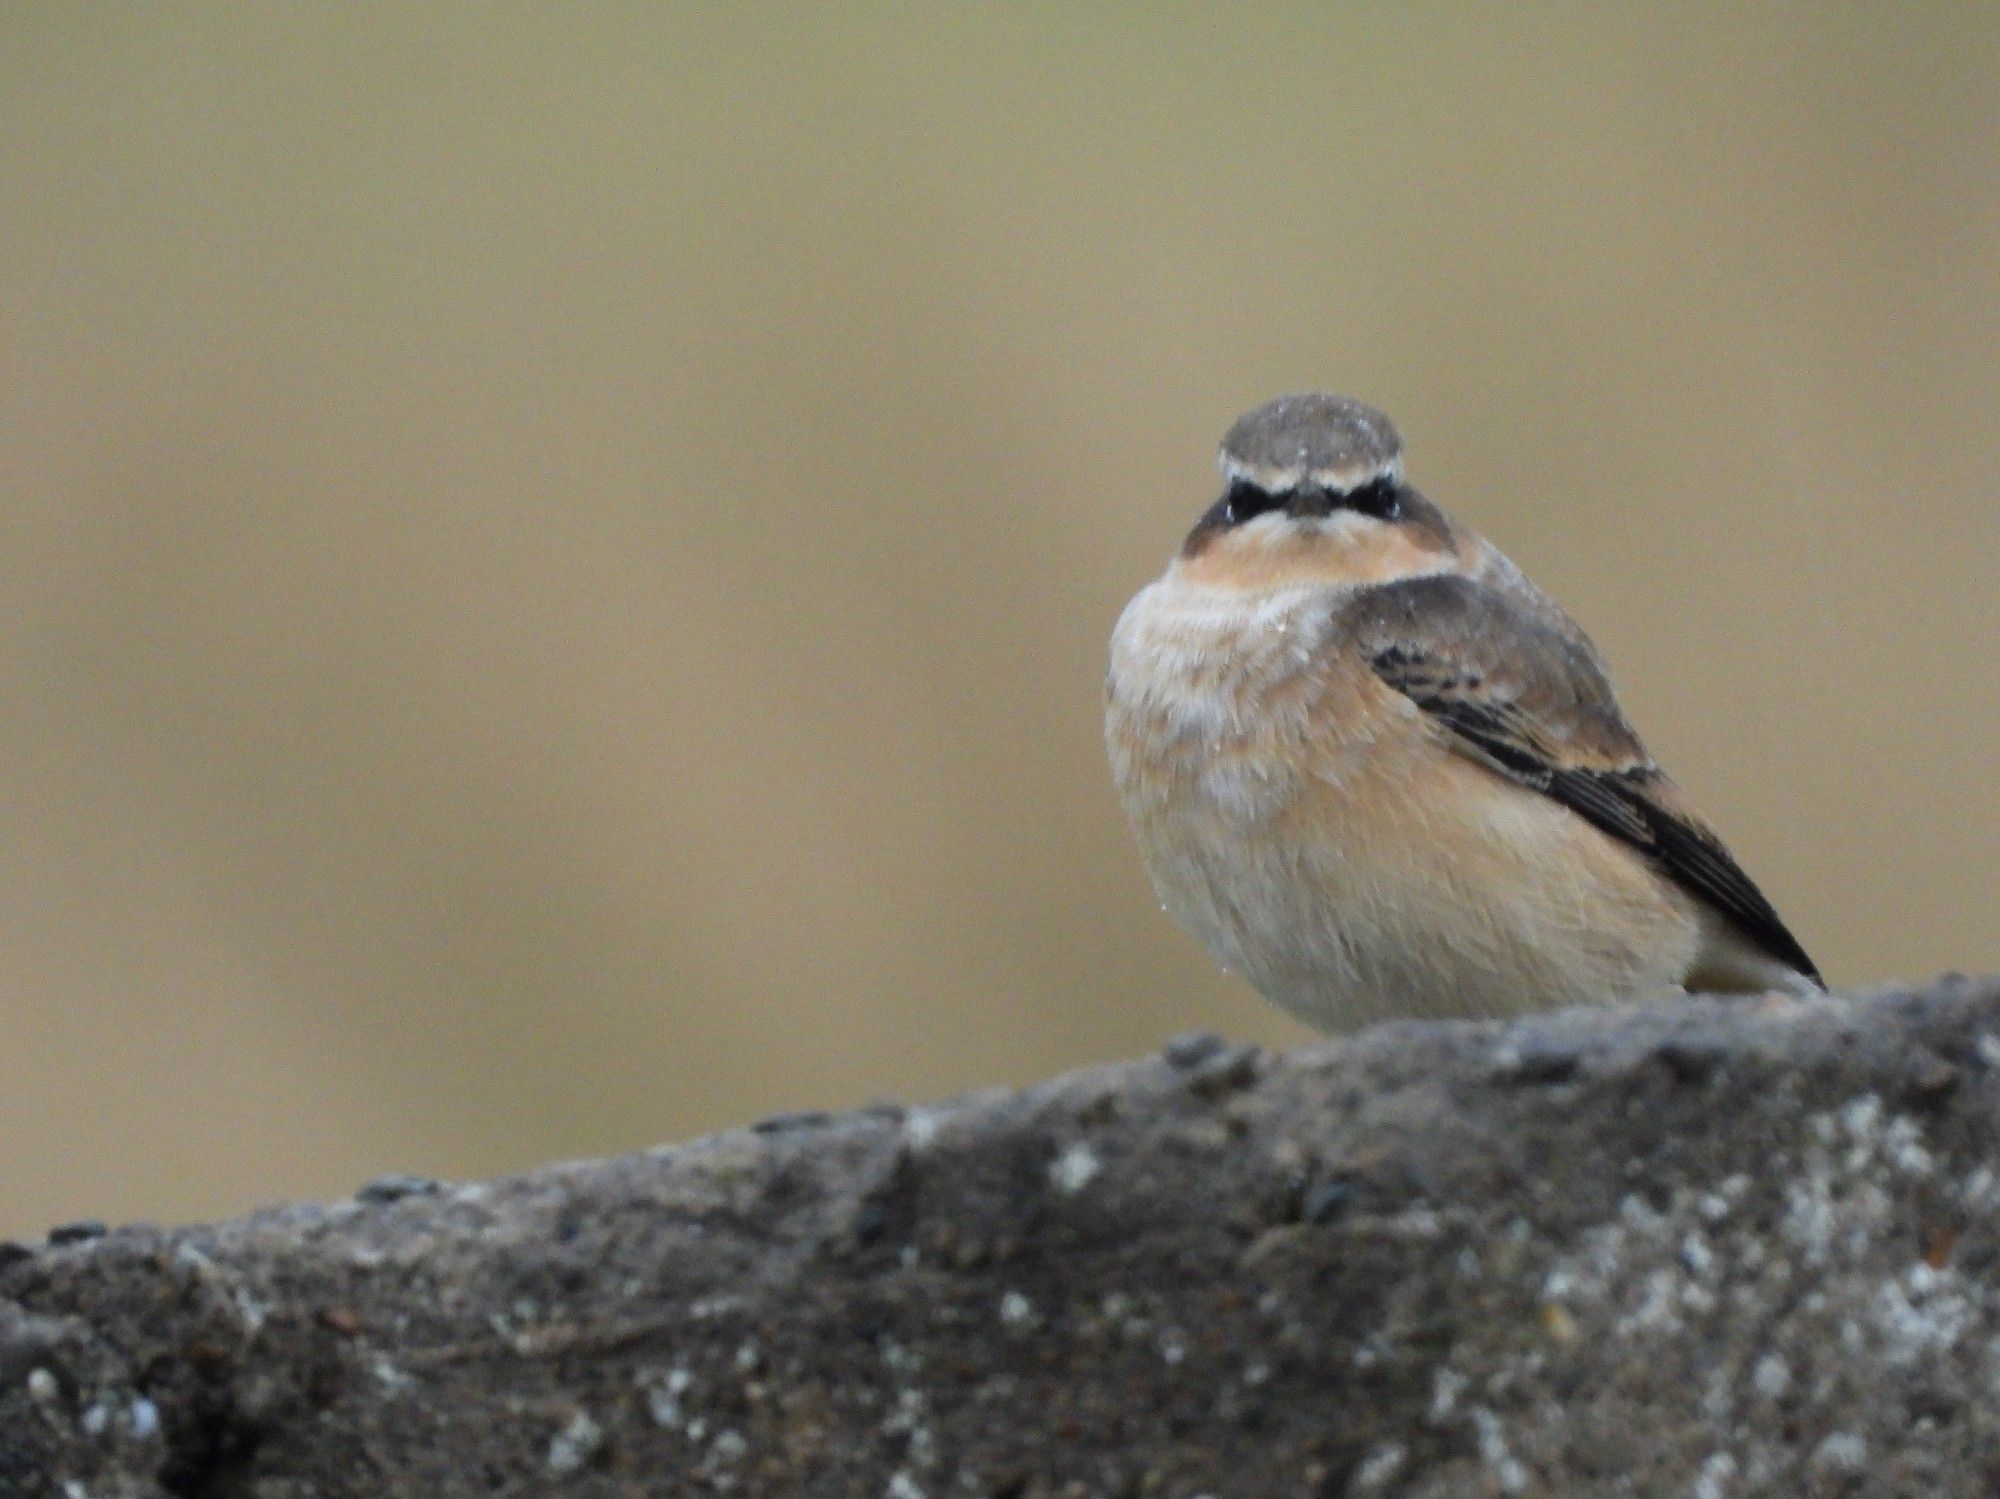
column 1315, row 494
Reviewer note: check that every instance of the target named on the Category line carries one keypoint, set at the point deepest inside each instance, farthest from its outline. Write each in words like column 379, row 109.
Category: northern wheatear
column 1378, row 772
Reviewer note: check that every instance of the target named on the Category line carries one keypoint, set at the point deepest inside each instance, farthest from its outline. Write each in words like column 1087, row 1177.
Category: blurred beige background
column 558, row 560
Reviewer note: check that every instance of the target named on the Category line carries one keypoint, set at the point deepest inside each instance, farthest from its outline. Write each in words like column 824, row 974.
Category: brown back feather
column 1516, row 685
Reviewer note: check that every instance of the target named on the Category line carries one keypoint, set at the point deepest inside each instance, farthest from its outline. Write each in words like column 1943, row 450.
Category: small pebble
column 395, row 1187
column 1192, row 1049
column 1539, row 1063
column 1324, row 1202
column 1690, row 1060
column 575, row 1445
column 871, row 1222
column 1227, row 1071
column 1935, row 1080
column 80, row 1232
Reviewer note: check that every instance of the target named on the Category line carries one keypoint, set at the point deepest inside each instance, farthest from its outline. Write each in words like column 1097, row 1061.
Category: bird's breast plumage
column 1219, row 699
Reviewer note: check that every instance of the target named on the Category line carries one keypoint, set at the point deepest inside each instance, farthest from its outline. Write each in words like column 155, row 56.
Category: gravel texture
column 1703, row 1249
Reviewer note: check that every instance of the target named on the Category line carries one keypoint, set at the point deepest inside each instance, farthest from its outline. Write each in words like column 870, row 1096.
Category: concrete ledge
column 1706, row 1249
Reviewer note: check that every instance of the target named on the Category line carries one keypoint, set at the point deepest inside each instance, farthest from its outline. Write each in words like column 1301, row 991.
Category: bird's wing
column 1516, row 686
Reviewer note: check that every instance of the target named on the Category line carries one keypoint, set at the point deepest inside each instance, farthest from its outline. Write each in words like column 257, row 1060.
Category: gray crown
column 1314, row 439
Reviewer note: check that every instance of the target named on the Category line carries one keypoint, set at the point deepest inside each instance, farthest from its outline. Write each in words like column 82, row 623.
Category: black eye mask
column 1245, row 501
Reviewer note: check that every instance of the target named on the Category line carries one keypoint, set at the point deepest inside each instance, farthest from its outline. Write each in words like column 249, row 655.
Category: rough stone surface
column 1702, row 1249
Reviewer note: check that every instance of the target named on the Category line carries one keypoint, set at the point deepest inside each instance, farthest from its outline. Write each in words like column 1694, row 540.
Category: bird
column 1376, row 771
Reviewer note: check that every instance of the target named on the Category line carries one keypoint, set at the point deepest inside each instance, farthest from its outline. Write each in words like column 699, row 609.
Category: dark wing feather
column 1518, row 688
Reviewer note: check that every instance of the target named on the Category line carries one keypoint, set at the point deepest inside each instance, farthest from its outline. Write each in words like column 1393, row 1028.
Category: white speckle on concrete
column 1173, row 1348
column 1719, row 1399
column 902, row 1360
column 1696, row 1254
column 1841, row 1452
column 1712, row 1481
column 1809, row 1217
column 144, row 1419
column 573, row 1446
column 663, row 1394
column 387, row 1375
column 1500, row 1462
column 1921, row 1317
column 1637, row 1214
column 1656, row 1313
column 1446, row 1386
column 1981, row 1189
column 1988, row 1047
column 908, row 1413
column 1903, row 1144
column 1016, row 1310
column 1771, row 1377
column 921, row 1127
column 730, row 1446
column 1419, row 1223
column 1862, row 1116
column 1075, row 1168
column 96, row 1419
column 251, row 1309
column 908, row 1419
column 1380, row 1466
column 902, row 1486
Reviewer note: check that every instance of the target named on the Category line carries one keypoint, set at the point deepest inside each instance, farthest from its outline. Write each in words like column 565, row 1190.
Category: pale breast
column 1236, row 741
column 1308, row 827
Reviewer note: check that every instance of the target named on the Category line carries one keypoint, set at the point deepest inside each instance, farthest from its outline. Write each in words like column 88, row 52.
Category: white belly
column 1307, row 825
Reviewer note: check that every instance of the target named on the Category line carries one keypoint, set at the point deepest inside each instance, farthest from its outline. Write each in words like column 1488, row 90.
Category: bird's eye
column 1247, row 502
column 1381, row 499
